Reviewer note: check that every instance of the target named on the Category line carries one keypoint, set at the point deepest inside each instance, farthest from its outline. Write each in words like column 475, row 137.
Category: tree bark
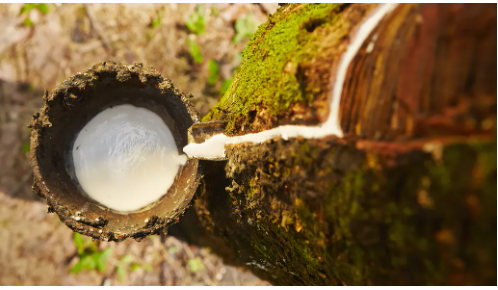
column 408, row 195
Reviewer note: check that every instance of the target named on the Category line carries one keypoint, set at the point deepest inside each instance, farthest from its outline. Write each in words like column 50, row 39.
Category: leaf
column 173, row 250
column 195, row 51
column 195, row 265
column 147, row 267
column 213, row 70
column 78, row 241
column 120, row 270
column 148, row 36
column 100, row 259
column 156, row 22
column 135, row 267
column 195, row 22
column 126, row 259
column 27, row 7
column 77, row 267
column 215, row 12
column 225, row 86
column 88, row 263
column 43, row 8
column 244, row 27
column 28, row 22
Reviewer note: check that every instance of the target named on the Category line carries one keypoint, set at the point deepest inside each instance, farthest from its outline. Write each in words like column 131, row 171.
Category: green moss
column 268, row 78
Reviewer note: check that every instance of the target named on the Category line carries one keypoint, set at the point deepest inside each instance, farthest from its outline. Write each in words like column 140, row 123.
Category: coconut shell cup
column 66, row 111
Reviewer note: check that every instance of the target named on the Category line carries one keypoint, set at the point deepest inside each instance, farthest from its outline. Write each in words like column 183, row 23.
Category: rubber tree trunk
column 408, row 194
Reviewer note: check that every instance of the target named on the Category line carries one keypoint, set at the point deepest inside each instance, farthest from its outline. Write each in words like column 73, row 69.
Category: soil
column 39, row 50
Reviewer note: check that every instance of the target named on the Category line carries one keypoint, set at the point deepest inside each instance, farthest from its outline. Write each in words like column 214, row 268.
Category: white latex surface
column 126, row 158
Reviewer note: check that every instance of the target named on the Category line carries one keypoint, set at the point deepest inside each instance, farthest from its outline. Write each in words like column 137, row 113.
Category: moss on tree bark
column 408, row 196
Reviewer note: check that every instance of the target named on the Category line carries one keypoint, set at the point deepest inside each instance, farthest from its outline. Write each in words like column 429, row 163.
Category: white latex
column 126, row 158
column 214, row 147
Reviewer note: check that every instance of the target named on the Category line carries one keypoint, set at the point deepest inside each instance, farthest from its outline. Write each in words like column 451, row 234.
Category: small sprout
column 147, row 267
column 123, row 264
column 156, row 22
column 173, row 250
column 27, row 22
column 195, row 265
column 43, row 8
column 195, row 22
column 100, row 258
column 121, row 272
column 89, row 257
column 215, row 12
column 78, row 241
column 213, row 70
column 127, row 263
column 126, row 259
column 244, row 27
column 27, row 7
column 195, row 51
column 149, row 36
column 135, row 267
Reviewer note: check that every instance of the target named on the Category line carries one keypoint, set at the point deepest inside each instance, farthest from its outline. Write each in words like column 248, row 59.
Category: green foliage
column 213, row 70
column 173, row 250
column 195, row 51
column 135, row 267
column 149, row 36
column 42, row 7
column 27, row 22
column 126, row 263
column 123, row 264
column 27, row 7
column 195, row 265
column 215, row 12
column 244, row 27
column 195, row 22
column 78, row 242
column 100, row 258
column 225, row 86
column 90, row 258
column 156, row 22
